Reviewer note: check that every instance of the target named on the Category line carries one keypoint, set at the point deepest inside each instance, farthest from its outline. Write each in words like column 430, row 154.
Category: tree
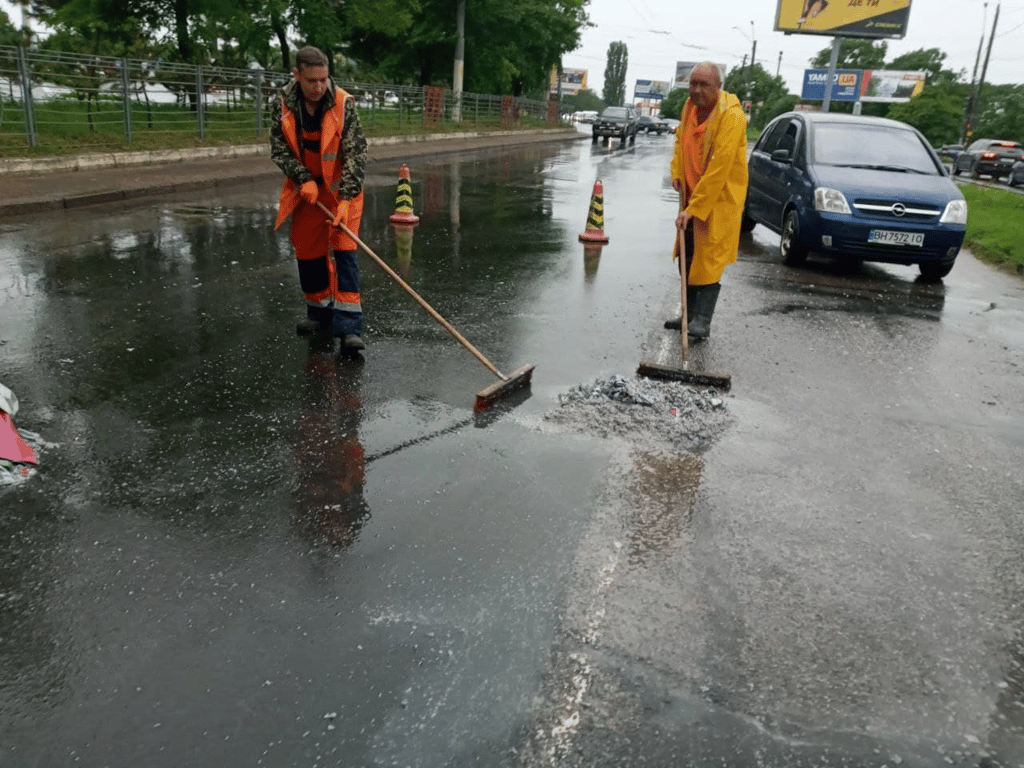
column 756, row 85
column 615, row 74
column 510, row 47
column 854, row 54
column 928, row 60
column 935, row 112
column 583, row 100
column 672, row 105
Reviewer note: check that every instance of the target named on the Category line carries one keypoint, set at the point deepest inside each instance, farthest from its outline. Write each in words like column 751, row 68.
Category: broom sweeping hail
column 518, row 379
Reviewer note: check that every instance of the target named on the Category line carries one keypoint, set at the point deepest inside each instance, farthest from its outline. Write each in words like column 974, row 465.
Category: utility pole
column 969, row 110
column 778, row 67
column 981, row 80
column 460, row 60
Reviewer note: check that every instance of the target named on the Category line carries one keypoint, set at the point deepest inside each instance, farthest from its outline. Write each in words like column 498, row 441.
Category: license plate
column 889, row 237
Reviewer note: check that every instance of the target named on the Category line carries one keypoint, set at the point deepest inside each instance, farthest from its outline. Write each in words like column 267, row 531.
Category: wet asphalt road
column 241, row 550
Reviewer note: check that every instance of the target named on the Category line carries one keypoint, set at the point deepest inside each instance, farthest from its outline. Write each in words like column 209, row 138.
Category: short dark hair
column 309, row 56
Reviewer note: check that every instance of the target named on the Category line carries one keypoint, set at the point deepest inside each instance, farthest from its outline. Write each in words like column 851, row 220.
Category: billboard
column 839, row 18
column 573, row 81
column 845, row 85
column 683, row 69
column 892, row 85
column 650, row 89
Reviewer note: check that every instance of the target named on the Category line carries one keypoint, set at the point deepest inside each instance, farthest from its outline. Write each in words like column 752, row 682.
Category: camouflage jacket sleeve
column 353, row 153
column 280, row 152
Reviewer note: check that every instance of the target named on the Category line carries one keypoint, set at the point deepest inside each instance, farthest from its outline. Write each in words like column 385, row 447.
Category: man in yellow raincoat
column 709, row 170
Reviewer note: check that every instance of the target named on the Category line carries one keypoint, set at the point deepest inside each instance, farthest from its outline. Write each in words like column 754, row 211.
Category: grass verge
column 995, row 226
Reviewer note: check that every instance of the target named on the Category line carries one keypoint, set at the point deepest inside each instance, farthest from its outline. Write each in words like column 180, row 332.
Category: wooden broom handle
column 408, row 289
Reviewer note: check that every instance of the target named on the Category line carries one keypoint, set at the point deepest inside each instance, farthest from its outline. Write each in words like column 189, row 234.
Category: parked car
column 855, row 187
column 617, row 122
column 991, row 157
column 1016, row 174
column 652, row 125
column 672, row 124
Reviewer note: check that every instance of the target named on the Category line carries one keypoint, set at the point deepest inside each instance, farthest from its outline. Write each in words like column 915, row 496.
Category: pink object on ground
column 12, row 446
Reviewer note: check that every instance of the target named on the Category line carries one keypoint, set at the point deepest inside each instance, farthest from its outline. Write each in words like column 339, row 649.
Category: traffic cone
column 595, row 218
column 403, row 201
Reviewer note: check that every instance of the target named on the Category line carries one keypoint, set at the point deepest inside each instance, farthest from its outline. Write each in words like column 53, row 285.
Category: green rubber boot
column 705, row 300
column 677, row 323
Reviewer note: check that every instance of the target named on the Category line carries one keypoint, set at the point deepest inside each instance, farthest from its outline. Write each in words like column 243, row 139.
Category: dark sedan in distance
column 988, row 157
column 855, row 188
column 650, row 124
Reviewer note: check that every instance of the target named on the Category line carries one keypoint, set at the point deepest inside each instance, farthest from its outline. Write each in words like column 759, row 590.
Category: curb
column 117, row 188
column 96, row 160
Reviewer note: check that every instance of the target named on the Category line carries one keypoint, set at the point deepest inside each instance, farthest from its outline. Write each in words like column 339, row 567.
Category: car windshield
column 871, row 146
column 615, row 112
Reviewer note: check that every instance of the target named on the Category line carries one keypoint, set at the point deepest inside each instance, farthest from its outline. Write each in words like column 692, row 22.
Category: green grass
column 995, row 225
column 70, row 126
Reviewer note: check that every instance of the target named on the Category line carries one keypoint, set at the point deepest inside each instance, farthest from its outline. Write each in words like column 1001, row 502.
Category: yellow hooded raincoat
column 717, row 200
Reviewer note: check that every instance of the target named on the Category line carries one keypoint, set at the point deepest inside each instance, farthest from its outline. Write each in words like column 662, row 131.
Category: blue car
column 857, row 188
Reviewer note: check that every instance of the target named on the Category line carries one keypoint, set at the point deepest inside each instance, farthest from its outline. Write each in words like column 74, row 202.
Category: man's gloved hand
column 309, row 192
column 341, row 217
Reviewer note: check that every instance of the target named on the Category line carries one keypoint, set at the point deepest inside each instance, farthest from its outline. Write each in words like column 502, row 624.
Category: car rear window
column 845, row 144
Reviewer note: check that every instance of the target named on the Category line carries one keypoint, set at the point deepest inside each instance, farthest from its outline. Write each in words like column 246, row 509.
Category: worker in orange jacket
column 317, row 140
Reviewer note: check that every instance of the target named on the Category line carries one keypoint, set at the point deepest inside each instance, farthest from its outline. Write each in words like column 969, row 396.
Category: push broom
column 486, row 397
column 684, row 374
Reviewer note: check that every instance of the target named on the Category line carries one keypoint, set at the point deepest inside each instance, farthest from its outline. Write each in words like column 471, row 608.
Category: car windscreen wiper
column 873, row 167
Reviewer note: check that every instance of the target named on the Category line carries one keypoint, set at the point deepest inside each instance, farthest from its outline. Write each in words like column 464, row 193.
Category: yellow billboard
column 844, row 18
column 573, row 81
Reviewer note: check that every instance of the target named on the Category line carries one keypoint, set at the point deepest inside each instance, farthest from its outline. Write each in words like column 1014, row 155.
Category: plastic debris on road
column 17, row 454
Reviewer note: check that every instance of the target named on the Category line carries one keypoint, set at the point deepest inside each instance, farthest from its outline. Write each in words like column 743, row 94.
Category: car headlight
column 955, row 213
column 830, row 201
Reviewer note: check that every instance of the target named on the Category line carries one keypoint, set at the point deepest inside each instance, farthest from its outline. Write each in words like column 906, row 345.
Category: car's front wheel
column 935, row 270
column 792, row 250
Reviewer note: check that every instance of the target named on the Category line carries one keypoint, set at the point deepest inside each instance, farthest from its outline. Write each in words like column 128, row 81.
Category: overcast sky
column 658, row 33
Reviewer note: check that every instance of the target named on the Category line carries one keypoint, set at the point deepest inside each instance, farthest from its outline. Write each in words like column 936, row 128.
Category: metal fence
column 58, row 102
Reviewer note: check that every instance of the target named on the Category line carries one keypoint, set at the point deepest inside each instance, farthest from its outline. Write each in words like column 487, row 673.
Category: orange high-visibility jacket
column 330, row 143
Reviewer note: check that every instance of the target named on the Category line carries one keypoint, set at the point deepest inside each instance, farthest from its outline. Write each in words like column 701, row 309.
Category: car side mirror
column 781, row 156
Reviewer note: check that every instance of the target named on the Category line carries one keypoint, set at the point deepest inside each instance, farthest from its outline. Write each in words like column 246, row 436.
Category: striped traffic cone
column 403, row 201
column 595, row 218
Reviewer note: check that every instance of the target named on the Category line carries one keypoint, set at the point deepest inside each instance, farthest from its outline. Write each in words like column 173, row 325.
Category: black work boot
column 704, row 301
column 307, row 327
column 677, row 323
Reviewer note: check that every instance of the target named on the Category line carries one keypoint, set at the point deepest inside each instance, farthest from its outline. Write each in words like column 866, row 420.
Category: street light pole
column 460, row 60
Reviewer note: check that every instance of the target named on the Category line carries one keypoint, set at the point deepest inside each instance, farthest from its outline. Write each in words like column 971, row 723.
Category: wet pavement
column 240, row 549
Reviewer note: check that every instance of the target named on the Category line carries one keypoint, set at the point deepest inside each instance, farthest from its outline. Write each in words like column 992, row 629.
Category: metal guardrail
column 54, row 99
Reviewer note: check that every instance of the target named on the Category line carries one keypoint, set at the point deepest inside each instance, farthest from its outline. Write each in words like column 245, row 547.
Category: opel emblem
column 898, row 209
